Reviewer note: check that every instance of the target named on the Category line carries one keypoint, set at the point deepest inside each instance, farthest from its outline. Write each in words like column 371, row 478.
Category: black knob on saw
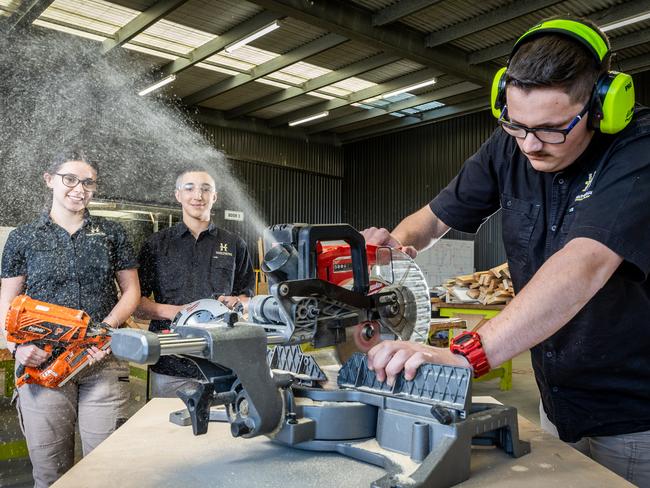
column 239, row 428
column 442, row 415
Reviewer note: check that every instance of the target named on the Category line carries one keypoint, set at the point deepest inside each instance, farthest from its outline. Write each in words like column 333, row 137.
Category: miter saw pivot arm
column 308, row 302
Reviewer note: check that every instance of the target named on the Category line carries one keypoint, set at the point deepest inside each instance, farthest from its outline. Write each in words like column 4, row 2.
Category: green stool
column 505, row 370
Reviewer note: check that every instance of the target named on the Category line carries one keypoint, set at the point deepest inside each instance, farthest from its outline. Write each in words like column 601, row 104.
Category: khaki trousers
column 628, row 455
column 97, row 399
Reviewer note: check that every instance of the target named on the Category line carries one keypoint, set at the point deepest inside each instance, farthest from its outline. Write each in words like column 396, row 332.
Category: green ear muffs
column 498, row 92
column 612, row 103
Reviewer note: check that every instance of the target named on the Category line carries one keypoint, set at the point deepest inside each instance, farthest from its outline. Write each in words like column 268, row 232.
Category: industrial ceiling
column 327, row 69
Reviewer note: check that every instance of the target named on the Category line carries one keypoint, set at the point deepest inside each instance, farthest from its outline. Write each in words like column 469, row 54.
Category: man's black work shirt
column 77, row 270
column 594, row 373
column 179, row 269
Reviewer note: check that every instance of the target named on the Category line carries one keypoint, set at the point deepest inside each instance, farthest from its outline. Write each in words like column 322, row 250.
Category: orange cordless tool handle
column 64, row 332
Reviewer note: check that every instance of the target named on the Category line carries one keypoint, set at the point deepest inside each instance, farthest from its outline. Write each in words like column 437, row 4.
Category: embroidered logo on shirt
column 585, row 191
column 95, row 231
column 223, row 250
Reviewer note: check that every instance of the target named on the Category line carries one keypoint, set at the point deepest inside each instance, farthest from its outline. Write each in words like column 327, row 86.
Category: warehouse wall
column 388, row 177
column 289, row 180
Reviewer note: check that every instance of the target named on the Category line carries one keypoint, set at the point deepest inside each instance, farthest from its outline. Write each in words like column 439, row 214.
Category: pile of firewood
column 492, row 287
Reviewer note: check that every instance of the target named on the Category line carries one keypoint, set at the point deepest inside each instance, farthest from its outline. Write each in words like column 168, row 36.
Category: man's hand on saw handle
column 381, row 237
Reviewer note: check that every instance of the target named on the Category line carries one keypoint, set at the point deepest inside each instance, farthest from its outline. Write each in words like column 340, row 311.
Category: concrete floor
column 16, row 473
column 524, row 394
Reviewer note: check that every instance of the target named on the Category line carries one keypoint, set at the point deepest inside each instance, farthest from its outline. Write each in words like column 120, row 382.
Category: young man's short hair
column 556, row 60
column 180, row 174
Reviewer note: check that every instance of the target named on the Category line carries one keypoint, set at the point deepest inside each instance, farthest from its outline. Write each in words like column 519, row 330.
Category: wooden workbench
column 148, row 451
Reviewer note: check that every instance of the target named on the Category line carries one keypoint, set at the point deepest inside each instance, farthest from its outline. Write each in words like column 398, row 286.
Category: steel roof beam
column 314, row 47
column 435, row 95
column 487, row 20
column 606, row 16
column 218, row 43
column 356, row 23
column 636, row 64
column 349, row 71
column 364, row 94
column 402, row 123
column 26, row 13
column 396, row 11
column 142, row 22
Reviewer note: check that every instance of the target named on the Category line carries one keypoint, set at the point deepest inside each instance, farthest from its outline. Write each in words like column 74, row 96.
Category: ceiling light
column 309, row 119
column 409, row 88
column 622, row 23
column 161, row 83
column 255, row 35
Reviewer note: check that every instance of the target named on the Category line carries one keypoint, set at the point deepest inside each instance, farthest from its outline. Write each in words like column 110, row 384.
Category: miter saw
column 419, row 431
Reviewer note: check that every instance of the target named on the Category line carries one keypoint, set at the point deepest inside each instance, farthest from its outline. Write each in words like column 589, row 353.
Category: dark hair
column 556, row 60
column 69, row 154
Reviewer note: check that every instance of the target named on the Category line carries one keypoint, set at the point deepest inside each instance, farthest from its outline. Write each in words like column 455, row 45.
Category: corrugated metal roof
column 632, row 52
column 98, row 15
column 9, row 6
column 289, row 106
column 343, row 55
column 239, row 95
column 135, row 4
column 192, row 80
column 516, row 27
column 445, row 14
column 173, row 37
column 391, row 71
column 291, row 35
column 207, row 15
column 375, row 5
column 197, row 22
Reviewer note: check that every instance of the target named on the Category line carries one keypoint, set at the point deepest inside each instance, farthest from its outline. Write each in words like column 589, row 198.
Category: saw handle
column 309, row 236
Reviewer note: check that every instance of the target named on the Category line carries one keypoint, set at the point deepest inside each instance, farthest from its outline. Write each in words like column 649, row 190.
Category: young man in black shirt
column 569, row 167
column 187, row 262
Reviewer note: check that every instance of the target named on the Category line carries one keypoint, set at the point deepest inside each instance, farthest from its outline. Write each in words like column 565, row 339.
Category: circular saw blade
column 409, row 275
column 202, row 311
column 403, row 272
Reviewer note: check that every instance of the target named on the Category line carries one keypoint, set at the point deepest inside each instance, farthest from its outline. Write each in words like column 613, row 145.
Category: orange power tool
column 65, row 332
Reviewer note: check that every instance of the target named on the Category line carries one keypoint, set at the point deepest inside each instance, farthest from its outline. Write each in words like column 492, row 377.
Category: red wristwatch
column 469, row 345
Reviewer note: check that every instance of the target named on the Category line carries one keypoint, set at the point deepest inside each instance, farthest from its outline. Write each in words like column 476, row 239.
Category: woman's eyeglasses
column 71, row 181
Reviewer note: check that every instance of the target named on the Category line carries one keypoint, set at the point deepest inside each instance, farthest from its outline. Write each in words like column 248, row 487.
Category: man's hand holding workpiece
column 389, row 358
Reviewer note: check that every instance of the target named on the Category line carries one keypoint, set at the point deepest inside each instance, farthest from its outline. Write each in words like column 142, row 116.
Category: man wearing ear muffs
column 569, row 167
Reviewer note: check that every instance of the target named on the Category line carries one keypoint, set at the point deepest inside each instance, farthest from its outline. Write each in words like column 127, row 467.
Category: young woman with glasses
column 71, row 258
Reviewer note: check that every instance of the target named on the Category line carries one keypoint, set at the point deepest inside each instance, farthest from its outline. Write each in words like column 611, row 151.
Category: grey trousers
column 628, row 455
column 96, row 399
column 165, row 386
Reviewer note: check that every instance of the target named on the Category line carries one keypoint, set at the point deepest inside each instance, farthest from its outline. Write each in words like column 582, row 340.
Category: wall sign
column 234, row 215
